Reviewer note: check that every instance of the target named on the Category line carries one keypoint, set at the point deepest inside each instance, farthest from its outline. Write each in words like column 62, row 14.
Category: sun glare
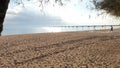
column 52, row 29
column 69, row 14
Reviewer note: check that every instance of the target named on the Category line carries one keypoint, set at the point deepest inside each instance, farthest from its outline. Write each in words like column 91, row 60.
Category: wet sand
column 88, row 49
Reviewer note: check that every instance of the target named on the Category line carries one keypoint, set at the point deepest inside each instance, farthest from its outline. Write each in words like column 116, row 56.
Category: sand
column 87, row 49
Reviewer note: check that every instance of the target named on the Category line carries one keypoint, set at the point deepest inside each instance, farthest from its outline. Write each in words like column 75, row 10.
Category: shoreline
column 59, row 32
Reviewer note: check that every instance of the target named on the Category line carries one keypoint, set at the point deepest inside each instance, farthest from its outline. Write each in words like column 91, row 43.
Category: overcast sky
column 31, row 17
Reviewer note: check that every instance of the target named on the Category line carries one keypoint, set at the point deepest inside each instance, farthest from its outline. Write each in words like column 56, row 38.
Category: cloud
column 73, row 13
column 21, row 20
column 27, row 18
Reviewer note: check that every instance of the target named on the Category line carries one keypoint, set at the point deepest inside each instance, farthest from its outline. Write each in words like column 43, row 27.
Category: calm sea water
column 28, row 30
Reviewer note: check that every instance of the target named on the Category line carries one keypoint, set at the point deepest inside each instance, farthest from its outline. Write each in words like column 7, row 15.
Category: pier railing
column 94, row 27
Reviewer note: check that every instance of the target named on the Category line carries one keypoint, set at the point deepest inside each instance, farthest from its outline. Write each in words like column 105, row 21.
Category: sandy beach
column 87, row 49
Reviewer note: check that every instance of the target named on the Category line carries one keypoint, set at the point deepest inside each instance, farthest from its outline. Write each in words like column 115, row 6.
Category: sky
column 31, row 17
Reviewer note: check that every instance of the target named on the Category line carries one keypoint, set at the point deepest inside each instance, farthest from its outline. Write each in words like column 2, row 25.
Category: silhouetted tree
column 110, row 6
column 3, row 8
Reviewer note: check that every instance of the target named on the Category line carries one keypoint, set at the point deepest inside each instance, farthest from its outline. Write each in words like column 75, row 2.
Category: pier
column 90, row 27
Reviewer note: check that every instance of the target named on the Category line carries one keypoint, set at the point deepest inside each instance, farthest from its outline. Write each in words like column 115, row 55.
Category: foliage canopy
column 110, row 6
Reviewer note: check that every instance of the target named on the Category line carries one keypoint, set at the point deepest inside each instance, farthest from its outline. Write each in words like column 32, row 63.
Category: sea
column 51, row 29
